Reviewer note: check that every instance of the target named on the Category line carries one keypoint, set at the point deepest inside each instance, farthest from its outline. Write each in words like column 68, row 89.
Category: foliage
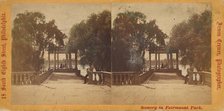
column 132, row 36
column 92, row 39
column 32, row 35
column 193, row 39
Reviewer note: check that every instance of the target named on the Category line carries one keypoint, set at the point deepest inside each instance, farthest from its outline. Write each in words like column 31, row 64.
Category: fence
column 76, row 71
column 200, row 77
column 29, row 77
column 124, row 78
column 100, row 77
column 42, row 77
column 118, row 78
column 21, row 78
column 143, row 77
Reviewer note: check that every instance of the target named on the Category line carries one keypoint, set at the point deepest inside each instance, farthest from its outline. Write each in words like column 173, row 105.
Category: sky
column 66, row 15
column 165, row 14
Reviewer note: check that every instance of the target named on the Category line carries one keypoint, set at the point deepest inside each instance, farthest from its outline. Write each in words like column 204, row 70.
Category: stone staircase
column 165, row 78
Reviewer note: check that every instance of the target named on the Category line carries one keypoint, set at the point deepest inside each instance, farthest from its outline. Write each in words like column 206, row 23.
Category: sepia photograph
column 111, row 54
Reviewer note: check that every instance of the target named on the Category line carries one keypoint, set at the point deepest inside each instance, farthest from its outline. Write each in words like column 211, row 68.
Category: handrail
column 106, row 72
column 204, row 78
column 117, row 78
column 21, row 78
column 144, row 76
column 42, row 77
column 24, row 72
column 124, row 72
column 100, row 77
column 29, row 77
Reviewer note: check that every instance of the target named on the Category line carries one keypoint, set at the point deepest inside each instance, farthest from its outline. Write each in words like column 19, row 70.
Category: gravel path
column 65, row 88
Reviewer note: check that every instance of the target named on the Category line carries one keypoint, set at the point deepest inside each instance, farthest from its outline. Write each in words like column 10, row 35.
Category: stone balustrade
column 200, row 77
column 100, row 77
column 29, row 77
column 118, row 78
column 22, row 78
column 124, row 78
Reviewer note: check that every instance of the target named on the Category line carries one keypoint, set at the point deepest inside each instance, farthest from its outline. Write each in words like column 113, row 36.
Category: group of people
column 62, row 66
column 89, row 70
column 192, row 76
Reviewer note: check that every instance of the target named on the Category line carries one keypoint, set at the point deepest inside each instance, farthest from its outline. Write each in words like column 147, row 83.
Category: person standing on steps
column 189, row 76
column 89, row 72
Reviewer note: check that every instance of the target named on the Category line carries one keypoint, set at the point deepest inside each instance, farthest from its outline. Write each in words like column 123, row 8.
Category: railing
column 206, row 79
column 124, row 78
column 29, row 77
column 42, row 77
column 65, row 70
column 118, row 78
column 76, row 71
column 21, row 78
column 200, row 77
column 143, row 77
column 100, row 77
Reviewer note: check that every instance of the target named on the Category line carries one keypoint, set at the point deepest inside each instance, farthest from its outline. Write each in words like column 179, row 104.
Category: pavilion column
column 66, row 60
column 58, row 65
column 156, row 59
column 49, row 59
column 177, row 60
column 168, row 61
column 54, row 57
column 150, row 62
column 70, row 60
column 76, row 59
column 159, row 60
column 171, row 60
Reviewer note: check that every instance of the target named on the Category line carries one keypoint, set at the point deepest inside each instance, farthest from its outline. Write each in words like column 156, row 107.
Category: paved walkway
column 163, row 89
column 165, row 78
column 65, row 88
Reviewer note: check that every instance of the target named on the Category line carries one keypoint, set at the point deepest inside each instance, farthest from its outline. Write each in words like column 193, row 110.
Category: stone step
column 63, row 78
column 165, row 78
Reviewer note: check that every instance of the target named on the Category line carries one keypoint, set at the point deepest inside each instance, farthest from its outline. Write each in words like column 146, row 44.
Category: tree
column 32, row 36
column 92, row 39
column 124, row 51
column 132, row 36
column 193, row 39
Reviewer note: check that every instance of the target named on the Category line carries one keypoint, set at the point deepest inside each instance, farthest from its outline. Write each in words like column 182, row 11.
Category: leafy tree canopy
column 124, row 49
column 193, row 39
column 32, row 35
column 132, row 36
column 92, row 38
